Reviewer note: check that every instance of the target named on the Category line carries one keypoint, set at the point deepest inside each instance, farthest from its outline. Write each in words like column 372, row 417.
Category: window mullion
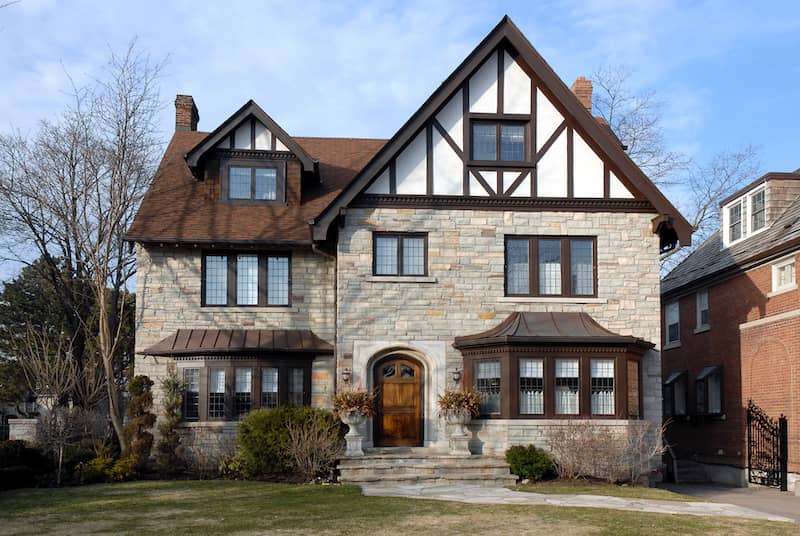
column 399, row 239
column 232, row 279
column 533, row 266
column 566, row 268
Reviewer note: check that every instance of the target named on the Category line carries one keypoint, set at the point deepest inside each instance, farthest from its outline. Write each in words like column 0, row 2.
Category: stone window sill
column 671, row 345
column 782, row 290
column 400, row 279
column 278, row 309
column 557, row 299
column 702, row 329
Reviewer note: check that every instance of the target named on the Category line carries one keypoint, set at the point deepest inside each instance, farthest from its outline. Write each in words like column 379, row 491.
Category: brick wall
column 466, row 267
column 755, row 362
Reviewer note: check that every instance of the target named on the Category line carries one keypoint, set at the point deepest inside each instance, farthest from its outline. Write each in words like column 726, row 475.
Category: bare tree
column 71, row 192
column 636, row 120
column 49, row 369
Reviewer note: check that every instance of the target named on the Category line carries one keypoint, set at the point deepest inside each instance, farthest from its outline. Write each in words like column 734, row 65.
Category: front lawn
column 226, row 507
column 581, row 487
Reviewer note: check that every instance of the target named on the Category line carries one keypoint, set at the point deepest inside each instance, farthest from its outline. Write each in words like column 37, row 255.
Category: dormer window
column 735, row 222
column 758, row 211
column 253, row 182
column 492, row 141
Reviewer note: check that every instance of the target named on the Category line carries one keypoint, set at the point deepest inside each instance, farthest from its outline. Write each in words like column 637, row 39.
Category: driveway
column 768, row 500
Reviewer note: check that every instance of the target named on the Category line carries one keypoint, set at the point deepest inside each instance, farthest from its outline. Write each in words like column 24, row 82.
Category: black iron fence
column 767, row 448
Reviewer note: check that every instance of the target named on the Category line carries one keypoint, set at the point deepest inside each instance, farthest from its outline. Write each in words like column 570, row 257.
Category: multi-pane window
column 538, row 266
column 531, row 386
column 399, row 254
column 216, row 280
column 269, row 387
column 735, row 222
column 244, row 386
column 246, row 279
column 191, row 394
column 216, row 393
column 567, row 386
column 708, row 387
column 702, row 309
column 296, row 384
column 758, row 211
column 784, row 276
column 252, row 183
column 498, row 141
column 672, row 321
column 487, row 383
column 602, row 371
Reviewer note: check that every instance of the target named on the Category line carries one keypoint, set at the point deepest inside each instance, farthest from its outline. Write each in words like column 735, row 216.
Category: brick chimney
column 186, row 114
column 583, row 90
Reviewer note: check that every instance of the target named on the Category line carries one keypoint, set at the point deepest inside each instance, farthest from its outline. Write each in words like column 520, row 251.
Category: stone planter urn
column 354, row 438
column 459, row 438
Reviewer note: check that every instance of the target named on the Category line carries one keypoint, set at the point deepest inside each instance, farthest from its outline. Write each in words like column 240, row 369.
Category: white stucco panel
column 588, row 169
column 617, row 189
column 412, row 167
column 491, row 179
column 524, row 188
column 516, row 87
column 279, row 146
column 263, row 137
column 451, row 117
column 548, row 118
column 241, row 138
column 381, row 184
column 475, row 187
column 448, row 169
column 551, row 171
column 483, row 87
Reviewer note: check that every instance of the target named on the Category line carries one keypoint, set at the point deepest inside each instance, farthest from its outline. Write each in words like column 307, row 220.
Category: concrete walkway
column 768, row 500
column 497, row 495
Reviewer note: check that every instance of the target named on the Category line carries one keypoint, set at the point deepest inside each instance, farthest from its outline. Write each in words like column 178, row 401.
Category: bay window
column 602, row 371
column 567, row 387
column 191, row 394
column 216, row 393
column 269, row 387
column 487, row 383
column 531, row 386
column 244, row 384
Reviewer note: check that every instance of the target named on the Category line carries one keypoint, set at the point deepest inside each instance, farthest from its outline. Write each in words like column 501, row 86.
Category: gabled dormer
column 754, row 208
column 249, row 159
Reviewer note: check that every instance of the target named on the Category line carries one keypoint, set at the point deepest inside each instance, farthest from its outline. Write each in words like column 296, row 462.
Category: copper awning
column 239, row 341
column 548, row 328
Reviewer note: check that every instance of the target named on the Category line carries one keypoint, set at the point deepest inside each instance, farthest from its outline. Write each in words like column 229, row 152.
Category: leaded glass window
column 535, row 266
column 269, row 387
column 244, row 385
column 413, row 256
column 512, row 142
column 567, row 385
column 191, row 394
column 401, row 254
column 549, row 267
column 239, row 184
column 277, row 280
column 602, row 371
column 247, row 279
column 216, row 393
column 266, row 184
column 216, row 280
column 582, row 267
column 253, row 279
column 487, row 383
column 531, row 386
column 296, row 386
column 517, row 267
column 498, row 141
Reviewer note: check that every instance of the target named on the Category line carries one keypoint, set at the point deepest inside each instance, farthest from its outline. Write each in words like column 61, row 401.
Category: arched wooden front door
column 398, row 422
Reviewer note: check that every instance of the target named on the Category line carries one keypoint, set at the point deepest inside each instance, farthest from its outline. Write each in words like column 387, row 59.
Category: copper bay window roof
column 187, row 342
column 548, row 328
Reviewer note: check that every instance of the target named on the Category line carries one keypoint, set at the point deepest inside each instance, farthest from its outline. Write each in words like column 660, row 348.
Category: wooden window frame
column 742, row 221
column 669, row 401
column 752, row 213
column 399, row 237
column 509, row 381
column 263, row 286
column 284, row 363
column 498, row 122
column 566, row 266
column 253, row 164
column 699, row 324
column 704, row 383
column 667, row 324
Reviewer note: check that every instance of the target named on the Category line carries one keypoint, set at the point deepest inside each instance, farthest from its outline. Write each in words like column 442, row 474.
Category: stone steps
column 417, row 466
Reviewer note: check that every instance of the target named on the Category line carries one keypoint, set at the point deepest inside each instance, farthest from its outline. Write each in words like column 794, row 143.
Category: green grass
column 225, row 507
column 582, row 487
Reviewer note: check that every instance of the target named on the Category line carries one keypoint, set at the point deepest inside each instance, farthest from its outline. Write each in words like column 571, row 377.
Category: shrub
column 21, row 465
column 610, row 453
column 168, row 458
column 266, row 445
column 315, row 444
column 530, row 462
column 140, row 420
column 106, row 468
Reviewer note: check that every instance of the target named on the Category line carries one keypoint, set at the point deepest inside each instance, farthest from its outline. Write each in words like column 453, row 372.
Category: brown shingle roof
column 178, row 208
column 195, row 342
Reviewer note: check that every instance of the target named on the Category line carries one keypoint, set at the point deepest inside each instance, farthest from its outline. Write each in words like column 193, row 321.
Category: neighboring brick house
column 732, row 329
column 500, row 239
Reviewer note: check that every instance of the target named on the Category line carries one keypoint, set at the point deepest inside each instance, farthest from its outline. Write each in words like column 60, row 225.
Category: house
column 732, row 334
column 501, row 239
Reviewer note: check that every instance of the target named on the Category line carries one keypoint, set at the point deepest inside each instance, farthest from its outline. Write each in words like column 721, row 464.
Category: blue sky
column 727, row 72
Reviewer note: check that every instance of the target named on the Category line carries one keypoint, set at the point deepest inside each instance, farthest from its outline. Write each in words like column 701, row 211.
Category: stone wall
column 168, row 298
column 23, row 429
column 464, row 291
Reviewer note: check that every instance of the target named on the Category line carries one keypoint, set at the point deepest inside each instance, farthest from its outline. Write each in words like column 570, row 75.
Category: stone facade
column 464, row 290
column 168, row 298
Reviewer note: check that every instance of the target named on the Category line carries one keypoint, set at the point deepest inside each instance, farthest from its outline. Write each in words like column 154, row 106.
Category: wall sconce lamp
column 456, row 375
column 346, row 374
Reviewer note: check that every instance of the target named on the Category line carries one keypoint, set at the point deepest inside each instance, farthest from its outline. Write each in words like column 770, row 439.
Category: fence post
column 783, row 439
